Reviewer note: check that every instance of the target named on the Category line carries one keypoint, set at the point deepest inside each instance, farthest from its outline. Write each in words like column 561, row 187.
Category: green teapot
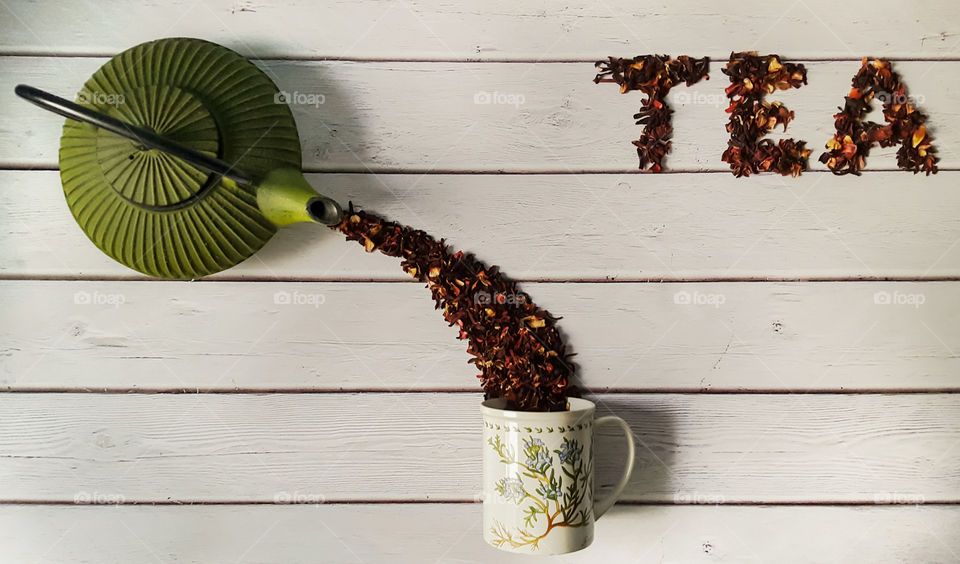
column 181, row 158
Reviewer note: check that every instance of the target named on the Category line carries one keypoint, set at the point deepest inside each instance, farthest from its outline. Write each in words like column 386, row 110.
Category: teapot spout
column 284, row 196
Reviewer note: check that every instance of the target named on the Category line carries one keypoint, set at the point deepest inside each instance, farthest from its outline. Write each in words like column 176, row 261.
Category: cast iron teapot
column 180, row 159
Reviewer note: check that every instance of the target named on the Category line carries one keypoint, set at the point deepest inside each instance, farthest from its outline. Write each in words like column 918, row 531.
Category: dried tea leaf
column 918, row 135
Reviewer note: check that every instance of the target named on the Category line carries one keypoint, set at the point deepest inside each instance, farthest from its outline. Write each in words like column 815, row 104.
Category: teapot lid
column 154, row 212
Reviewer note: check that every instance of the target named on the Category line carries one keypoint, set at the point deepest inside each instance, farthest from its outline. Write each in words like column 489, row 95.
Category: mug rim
column 578, row 407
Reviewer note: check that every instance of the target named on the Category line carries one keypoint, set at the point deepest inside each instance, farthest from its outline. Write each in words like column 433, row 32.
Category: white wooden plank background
column 234, row 335
column 864, row 409
column 386, row 115
column 570, row 227
column 490, row 30
column 451, row 533
column 424, row 446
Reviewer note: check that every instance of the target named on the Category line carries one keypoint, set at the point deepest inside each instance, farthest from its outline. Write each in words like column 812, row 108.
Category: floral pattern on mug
column 551, row 500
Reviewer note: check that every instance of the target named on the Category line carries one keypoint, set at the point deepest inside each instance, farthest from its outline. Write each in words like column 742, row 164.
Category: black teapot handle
column 145, row 137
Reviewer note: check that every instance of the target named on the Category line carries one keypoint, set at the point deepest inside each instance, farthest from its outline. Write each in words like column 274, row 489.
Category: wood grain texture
column 332, row 336
column 490, row 30
column 576, row 211
column 451, row 533
column 563, row 227
column 692, row 448
column 542, row 116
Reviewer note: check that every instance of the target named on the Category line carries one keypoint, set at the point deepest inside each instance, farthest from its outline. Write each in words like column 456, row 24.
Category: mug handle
column 602, row 505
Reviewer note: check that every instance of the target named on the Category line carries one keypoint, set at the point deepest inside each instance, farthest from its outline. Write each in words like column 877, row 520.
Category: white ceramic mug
column 538, row 473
